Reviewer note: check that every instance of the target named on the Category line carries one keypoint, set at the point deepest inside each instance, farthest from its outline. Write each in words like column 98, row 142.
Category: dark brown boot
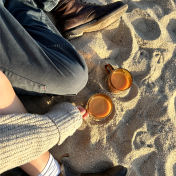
column 114, row 171
column 74, row 18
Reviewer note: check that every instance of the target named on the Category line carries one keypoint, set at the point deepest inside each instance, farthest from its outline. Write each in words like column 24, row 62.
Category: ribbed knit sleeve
column 69, row 119
column 24, row 137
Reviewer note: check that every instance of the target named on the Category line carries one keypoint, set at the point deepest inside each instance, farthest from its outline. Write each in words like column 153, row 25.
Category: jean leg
column 46, row 5
column 35, row 22
column 33, row 67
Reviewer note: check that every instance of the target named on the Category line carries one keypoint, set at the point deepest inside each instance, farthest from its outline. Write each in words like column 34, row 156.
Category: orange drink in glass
column 118, row 79
column 99, row 106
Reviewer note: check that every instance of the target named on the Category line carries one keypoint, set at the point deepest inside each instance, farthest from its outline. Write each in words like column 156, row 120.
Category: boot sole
column 65, row 167
column 95, row 25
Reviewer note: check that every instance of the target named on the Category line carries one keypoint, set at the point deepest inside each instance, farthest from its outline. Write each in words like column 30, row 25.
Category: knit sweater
column 24, row 137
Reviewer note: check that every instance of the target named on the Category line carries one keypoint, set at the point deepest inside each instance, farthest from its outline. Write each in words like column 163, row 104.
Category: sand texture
column 141, row 132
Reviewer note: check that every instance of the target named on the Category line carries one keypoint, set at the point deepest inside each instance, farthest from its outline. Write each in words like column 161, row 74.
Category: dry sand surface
column 141, row 132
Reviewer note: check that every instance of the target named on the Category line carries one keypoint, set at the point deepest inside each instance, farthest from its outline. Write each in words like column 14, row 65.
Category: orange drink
column 100, row 106
column 119, row 79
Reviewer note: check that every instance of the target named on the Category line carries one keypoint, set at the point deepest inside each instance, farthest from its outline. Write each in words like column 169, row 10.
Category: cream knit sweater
column 24, row 137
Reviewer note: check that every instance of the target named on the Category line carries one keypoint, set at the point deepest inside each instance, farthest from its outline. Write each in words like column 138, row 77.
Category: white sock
column 51, row 169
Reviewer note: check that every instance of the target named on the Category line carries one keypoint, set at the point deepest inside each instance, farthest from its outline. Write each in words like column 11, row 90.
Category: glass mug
column 118, row 80
column 99, row 106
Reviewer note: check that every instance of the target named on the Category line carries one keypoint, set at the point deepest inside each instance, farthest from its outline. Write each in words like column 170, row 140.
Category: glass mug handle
column 110, row 68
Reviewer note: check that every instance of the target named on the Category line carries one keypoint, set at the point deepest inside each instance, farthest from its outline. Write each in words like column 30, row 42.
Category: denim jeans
column 33, row 54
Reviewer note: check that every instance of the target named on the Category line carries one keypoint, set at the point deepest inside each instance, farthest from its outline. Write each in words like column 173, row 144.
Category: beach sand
column 141, row 132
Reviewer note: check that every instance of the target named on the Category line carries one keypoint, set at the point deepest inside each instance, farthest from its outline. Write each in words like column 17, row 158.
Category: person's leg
column 36, row 166
column 46, row 5
column 9, row 104
column 33, row 62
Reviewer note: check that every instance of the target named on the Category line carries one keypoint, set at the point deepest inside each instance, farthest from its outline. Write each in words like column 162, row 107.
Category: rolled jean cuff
column 48, row 6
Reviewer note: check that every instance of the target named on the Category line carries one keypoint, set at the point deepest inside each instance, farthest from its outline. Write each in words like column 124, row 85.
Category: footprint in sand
column 138, row 65
column 145, row 165
column 171, row 27
column 145, row 26
column 167, row 6
column 125, row 41
column 141, row 139
column 147, row 29
column 144, row 162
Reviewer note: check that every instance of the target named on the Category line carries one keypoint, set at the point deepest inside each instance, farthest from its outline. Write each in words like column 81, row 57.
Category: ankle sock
column 52, row 168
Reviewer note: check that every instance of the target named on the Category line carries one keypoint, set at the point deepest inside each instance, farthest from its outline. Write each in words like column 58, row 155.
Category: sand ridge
column 140, row 133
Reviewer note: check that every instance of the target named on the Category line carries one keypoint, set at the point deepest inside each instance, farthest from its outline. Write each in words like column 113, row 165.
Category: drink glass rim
column 109, row 99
